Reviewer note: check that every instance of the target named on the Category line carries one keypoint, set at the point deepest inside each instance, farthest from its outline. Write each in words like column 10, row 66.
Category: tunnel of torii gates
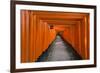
column 39, row 29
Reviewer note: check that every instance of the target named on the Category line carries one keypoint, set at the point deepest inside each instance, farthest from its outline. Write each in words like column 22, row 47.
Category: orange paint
column 37, row 34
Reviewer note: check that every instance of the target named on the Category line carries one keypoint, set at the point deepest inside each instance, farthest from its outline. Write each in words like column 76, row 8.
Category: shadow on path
column 59, row 50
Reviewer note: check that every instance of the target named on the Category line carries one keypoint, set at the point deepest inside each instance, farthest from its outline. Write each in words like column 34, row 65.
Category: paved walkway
column 59, row 51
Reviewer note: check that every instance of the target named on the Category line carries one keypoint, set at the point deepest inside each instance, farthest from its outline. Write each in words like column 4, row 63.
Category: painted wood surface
column 39, row 29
